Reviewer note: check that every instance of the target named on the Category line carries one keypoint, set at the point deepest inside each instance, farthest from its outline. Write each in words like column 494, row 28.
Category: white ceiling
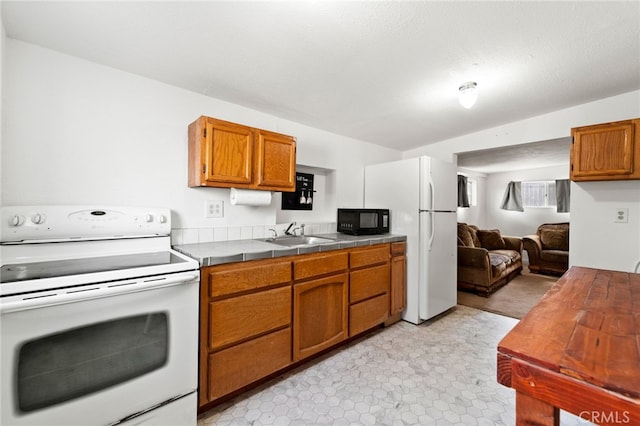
column 384, row 72
column 526, row 156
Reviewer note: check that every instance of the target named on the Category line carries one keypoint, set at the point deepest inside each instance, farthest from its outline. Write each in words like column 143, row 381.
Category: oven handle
column 96, row 291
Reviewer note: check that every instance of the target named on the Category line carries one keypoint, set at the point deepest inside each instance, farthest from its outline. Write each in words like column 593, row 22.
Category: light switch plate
column 213, row 208
column 622, row 215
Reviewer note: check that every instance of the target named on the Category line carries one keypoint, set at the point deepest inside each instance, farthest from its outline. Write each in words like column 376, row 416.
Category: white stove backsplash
column 181, row 236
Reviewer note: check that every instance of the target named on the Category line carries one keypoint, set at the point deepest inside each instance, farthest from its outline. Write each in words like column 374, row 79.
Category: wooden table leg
column 532, row 411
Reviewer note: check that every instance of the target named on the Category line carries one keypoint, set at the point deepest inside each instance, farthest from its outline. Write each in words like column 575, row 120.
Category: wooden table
column 577, row 350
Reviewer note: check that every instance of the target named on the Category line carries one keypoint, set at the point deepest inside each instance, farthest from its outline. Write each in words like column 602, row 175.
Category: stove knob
column 16, row 220
column 148, row 218
column 162, row 219
column 38, row 218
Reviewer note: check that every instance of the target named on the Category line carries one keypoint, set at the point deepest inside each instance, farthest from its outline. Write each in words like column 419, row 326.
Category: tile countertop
column 215, row 253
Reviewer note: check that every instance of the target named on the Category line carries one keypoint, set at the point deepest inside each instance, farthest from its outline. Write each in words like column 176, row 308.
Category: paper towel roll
column 250, row 197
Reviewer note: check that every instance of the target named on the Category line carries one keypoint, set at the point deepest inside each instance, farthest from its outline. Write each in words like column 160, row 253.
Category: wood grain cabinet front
column 320, row 314
column 609, row 151
column 245, row 309
column 398, row 285
column 369, row 279
column 320, row 302
column 225, row 154
column 260, row 317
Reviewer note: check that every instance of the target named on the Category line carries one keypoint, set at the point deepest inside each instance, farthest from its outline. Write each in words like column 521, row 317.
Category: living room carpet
column 514, row 299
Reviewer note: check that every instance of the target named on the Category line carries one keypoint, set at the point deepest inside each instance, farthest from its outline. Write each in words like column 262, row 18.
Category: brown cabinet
column 398, row 285
column 320, row 314
column 368, row 287
column 262, row 316
column 245, row 309
column 225, row 154
column 320, row 302
column 609, row 151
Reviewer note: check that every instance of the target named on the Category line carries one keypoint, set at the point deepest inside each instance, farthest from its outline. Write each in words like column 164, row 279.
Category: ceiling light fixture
column 468, row 94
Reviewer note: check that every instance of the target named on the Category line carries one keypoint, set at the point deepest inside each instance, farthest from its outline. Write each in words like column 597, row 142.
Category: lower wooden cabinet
column 319, row 314
column 245, row 310
column 368, row 298
column 368, row 314
column 243, row 317
column 398, row 285
column 243, row 364
column 260, row 317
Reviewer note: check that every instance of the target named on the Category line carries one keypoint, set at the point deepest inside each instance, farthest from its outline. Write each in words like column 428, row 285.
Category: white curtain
column 512, row 199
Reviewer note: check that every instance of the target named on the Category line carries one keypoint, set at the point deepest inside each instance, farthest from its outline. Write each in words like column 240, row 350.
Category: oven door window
column 60, row 367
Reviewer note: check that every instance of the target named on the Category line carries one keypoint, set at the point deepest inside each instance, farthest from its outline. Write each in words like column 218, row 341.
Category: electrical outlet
column 622, row 215
column 213, row 208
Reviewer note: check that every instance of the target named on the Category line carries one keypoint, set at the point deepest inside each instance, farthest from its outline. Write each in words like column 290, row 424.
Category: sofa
column 548, row 249
column 487, row 260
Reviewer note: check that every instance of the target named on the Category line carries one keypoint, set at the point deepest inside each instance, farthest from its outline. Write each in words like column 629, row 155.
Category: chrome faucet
column 288, row 230
column 275, row 233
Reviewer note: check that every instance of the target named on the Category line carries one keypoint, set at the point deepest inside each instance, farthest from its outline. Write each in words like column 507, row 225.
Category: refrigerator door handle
column 432, row 235
column 432, row 196
column 431, row 215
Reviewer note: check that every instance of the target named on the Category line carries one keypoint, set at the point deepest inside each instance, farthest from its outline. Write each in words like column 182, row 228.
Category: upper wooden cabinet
column 224, row 154
column 609, row 151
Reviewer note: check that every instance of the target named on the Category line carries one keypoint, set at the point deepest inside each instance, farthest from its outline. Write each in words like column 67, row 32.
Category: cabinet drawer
column 369, row 282
column 235, row 367
column 239, row 318
column 368, row 314
column 369, row 256
column 225, row 280
column 398, row 249
column 320, row 264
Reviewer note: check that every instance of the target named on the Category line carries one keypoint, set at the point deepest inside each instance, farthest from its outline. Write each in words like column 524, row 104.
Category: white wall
column 596, row 240
column 591, row 203
column 3, row 62
column 80, row 133
column 521, row 223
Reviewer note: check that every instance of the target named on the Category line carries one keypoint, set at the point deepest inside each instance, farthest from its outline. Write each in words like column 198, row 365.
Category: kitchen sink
column 299, row 240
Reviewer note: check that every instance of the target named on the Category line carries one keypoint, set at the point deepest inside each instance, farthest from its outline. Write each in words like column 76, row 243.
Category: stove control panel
column 23, row 224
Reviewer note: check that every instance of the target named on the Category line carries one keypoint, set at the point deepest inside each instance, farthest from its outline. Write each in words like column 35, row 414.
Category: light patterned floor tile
column 442, row 372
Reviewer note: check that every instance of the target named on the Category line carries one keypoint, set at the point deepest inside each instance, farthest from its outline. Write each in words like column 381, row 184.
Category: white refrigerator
column 421, row 194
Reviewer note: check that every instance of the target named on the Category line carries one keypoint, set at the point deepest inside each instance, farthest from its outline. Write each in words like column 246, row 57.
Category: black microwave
column 363, row 221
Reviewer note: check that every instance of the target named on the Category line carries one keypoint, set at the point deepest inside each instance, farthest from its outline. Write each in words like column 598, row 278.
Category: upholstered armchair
column 548, row 249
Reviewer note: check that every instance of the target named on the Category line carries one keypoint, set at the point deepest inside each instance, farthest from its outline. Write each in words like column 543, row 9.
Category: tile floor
column 439, row 373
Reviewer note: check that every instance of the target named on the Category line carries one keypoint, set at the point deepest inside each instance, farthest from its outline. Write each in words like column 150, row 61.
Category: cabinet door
column 220, row 154
column 398, row 294
column 275, row 161
column 605, row 152
column 319, row 314
column 228, row 149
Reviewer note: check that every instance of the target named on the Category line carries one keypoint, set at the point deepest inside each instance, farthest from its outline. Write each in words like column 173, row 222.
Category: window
column 60, row 367
column 539, row 194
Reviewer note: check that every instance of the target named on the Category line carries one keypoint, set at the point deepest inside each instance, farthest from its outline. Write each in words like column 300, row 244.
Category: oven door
column 99, row 355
